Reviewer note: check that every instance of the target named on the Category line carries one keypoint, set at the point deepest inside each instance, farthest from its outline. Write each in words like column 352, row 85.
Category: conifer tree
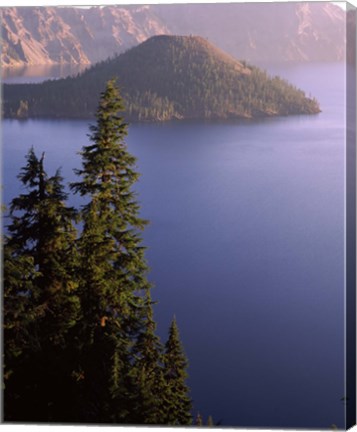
column 178, row 402
column 41, row 242
column 113, row 283
column 19, row 316
column 80, row 342
column 150, row 387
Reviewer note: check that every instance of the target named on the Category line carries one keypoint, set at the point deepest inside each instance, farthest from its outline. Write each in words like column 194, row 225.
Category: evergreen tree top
column 80, row 335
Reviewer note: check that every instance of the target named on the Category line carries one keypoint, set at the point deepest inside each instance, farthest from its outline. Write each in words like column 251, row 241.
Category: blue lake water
column 246, row 248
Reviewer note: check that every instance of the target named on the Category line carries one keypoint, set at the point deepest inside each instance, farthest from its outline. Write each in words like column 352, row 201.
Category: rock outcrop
column 257, row 32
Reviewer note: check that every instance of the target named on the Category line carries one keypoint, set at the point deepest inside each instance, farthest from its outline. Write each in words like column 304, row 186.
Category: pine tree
column 19, row 316
column 113, row 283
column 40, row 240
column 80, row 342
column 150, row 387
column 178, row 402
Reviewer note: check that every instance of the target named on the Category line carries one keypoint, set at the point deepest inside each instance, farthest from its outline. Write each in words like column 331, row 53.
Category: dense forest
column 80, row 341
column 164, row 78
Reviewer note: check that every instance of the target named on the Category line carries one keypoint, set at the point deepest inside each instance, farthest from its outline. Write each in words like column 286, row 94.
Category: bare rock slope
column 262, row 32
column 52, row 35
column 257, row 32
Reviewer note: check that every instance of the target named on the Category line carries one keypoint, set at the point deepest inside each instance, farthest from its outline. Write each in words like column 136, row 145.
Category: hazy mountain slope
column 39, row 35
column 166, row 77
column 264, row 31
column 253, row 31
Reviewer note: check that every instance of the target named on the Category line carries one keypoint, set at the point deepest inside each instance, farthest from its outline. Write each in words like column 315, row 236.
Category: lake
column 39, row 73
column 245, row 246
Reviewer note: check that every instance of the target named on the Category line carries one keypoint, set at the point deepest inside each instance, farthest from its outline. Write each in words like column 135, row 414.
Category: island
column 165, row 78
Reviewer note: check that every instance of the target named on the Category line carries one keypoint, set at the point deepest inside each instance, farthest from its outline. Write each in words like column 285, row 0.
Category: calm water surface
column 39, row 73
column 245, row 247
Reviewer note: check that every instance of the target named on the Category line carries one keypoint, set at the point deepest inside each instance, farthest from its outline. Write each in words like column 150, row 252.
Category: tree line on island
column 80, row 342
column 165, row 78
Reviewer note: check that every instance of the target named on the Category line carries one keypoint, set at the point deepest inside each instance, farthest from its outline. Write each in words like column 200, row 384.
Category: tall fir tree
column 80, row 342
column 19, row 316
column 113, row 272
column 41, row 242
column 178, row 403
column 150, row 387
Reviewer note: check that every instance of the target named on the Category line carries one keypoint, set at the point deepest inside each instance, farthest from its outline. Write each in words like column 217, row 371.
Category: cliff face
column 262, row 32
column 252, row 31
column 39, row 35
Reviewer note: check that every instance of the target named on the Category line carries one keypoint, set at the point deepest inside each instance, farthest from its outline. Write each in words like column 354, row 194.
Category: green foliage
column 18, row 275
column 40, row 301
column 149, row 402
column 166, row 77
column 41, row 228
column 112, row 271
column 178, row 402
column 80, row 342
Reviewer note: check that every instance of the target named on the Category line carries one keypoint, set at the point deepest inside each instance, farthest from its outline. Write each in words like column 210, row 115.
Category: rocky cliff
column 52, row 35
column 265, row 32
column 257, row 32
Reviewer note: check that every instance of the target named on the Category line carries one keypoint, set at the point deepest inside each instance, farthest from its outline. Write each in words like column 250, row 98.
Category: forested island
column 165, row 78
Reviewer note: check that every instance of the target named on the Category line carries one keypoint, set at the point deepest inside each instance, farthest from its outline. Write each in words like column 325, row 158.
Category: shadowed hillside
column 166, row 77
